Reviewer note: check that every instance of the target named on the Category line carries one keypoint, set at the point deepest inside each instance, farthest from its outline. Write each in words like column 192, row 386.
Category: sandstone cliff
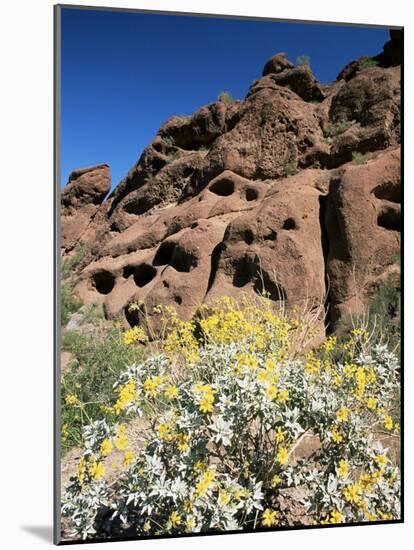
column 293, row 192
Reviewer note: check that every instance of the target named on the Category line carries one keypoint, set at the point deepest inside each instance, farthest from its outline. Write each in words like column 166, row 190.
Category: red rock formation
column 260, row 195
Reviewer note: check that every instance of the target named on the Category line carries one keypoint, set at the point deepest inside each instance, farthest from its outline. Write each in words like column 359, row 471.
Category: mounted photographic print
column 228, row 281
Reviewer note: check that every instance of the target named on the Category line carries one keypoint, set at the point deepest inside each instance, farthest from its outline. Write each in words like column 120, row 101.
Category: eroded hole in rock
column 132, row 316
column 182, row 260
column 390, row 218
column 178, row 300
column 164, row 253
column 103, row 281
column 143, row 273
column 137, row 207
column 388, row 191
column 223, row 187
column 251, row 194
column 269, row 289
column 114, row 227
column 245, row 269
column 215, row 257
column 289, row 224
column 271, row 235
column 248, row 236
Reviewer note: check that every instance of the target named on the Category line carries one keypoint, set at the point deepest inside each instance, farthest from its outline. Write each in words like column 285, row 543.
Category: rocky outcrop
column 80, row 200
column 363, row 221
column 264, row 196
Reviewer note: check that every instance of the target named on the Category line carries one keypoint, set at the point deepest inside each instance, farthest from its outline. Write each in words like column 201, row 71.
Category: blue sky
column 124, row 74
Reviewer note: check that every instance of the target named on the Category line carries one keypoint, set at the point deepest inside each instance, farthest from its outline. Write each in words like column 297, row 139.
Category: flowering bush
column 225, row 431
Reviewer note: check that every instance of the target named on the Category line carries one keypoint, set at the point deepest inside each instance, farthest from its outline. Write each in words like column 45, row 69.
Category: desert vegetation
column 240, row 414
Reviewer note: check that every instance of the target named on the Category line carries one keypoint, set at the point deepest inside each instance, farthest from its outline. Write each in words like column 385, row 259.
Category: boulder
column 80, row 201
column 276, row 64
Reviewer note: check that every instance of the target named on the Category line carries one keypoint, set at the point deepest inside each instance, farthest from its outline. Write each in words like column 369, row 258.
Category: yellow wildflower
column 106, row 447
column 182, row 442
column 129, row 457
column 282, row 456
column 190, row 525
column 174, row 519
column 329, row 344
column 352, row 493
column 343, row 468
column 151, row 385
column 97, row 470
column 71, row 400
column 81, row 470
column 279, row 435
column 342, row 414
column 205, row 483
column 271, row 392
column 121, row 442
column 269, row 518
column 388, row 423
column 207, row 397
column 65, row 432
column 127, row 394
column 164, row 431
column 335, row 435
column 188, row 505
column 276, row 481
column 381, row 460
column 223, row 497
column 336, row 517
column 283, row 395
column 371, row 403
column 171, row 391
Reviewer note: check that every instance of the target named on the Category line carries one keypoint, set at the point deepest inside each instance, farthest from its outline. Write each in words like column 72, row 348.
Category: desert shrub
column 86, row 388
column 303, row 60
column 359, row 158
column 335, row 129
column 227, row 425
column 384, row 311
column 68, row 304
column 80, row 252
column 367, row 63
column 381, row 318
column 225, row 97
column 290, row 169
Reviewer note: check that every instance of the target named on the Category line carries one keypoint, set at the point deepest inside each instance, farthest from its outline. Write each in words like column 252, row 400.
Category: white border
column 26, row 379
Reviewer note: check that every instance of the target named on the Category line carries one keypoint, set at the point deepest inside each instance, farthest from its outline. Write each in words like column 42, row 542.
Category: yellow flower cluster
column 106, row 447
column 121, row 442
column 352, row 493
column 228, row 321
column 151, row 385
column 127, row 394
column 206, row 403
column 181, row 340
column 205, row 483
column 166, row 433
column 133, row 335
column 91, row 466
column 171, row 392
column 71, row 400
column 333, row 517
